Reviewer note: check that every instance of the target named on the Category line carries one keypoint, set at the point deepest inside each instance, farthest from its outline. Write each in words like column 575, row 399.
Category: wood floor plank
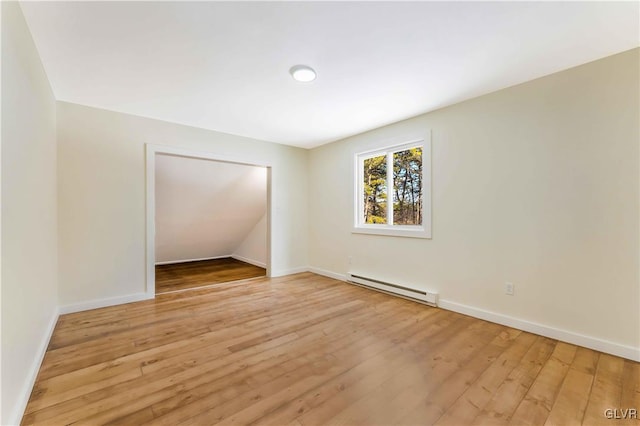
column 309, row 350
column 159, row 379
column 106, row 398
column 424, row 404
column 349, row 343
column 232, row 329
column 421, row 378
column 537, row 403
column 179, row 330
column 510, row 393
column 631, row 391
column 606, row 392
column 570, row 403
column 320, row 403
column 479, row 393
column 186, row 275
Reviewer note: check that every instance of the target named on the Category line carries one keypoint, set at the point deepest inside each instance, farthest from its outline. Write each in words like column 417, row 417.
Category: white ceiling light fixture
column 302, row 73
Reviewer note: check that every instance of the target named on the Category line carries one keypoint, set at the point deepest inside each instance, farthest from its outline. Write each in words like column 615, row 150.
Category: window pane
column 407, row 187
column 375, row 189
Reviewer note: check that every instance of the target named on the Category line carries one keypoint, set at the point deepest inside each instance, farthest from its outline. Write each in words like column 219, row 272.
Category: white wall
column 537, row 184
column 29, row 237
column 206, row 208
column 101, row 163
column 253, row 248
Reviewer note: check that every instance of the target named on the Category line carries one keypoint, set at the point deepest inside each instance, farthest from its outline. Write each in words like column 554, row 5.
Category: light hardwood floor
column 187, row 275
column 309, row 350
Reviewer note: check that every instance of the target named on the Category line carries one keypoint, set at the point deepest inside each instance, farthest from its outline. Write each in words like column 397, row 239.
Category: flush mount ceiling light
column 302, row 73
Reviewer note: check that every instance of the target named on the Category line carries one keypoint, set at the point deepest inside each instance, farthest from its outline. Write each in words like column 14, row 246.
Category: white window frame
column 389, row 229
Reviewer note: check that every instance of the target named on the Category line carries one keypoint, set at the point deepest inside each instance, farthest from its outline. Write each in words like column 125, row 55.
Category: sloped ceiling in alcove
column 205, row 208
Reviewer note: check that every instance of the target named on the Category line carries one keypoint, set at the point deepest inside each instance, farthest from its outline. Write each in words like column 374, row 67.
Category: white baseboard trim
column 103, row 303
column 628, row 352
column 25, row 394
column 326, row 273
column 247, row 260
column 284, row 272
column 171, row 262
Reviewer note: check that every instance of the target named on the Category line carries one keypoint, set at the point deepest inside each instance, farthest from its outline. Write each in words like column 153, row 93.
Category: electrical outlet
column 508, row 289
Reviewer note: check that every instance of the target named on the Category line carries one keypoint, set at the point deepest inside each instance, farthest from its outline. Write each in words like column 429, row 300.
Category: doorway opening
column 208, row 220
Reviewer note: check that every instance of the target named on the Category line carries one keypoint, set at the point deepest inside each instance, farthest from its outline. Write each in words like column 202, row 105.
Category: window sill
column 395, row 231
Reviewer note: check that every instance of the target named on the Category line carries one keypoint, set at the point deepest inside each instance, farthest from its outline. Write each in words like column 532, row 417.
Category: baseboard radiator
column 422, row 296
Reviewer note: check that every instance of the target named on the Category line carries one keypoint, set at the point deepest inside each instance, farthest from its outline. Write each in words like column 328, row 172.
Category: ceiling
column 224, row 66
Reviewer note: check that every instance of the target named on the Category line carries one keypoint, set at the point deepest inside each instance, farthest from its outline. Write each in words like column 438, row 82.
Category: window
column 393, row 191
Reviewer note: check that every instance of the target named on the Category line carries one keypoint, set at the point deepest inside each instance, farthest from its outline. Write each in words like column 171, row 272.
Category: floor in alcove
column 182, row 276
